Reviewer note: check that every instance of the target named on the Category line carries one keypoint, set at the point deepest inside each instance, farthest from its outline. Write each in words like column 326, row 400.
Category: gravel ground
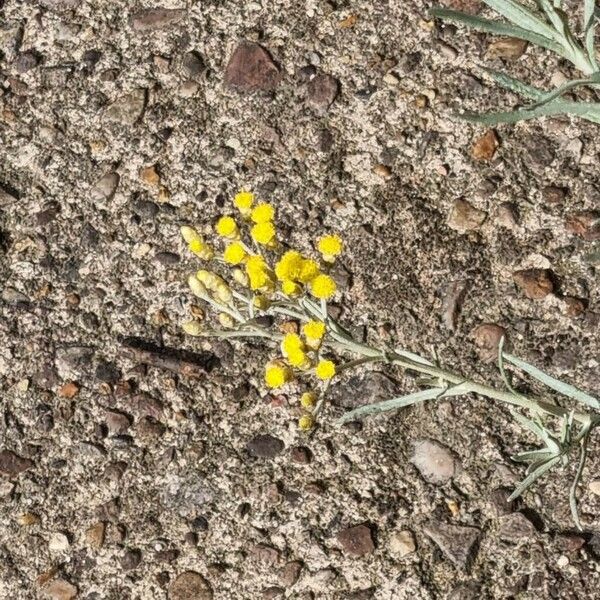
column 123, row 477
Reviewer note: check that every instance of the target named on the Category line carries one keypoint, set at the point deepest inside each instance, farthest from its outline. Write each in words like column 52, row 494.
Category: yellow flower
column 291, row 288
column 227, row 227
column 309, row 269
column 197, row 287
column 226, row 320
column 288, row 267
column 201, row 250
column 263, row 213
column 192, row 328
column 291, row 342
column 298, row 358
column 258, row 271
column 323, row 287
column 243, row 201
column 325, row 369
column 234, row 253
column 314, row 330
column 308, row 400
column 277, row 374
column 306, row 422
column 330, row 246
column 263, row 233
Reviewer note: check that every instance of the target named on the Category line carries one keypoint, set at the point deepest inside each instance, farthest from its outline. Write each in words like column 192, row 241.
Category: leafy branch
column 547, row 27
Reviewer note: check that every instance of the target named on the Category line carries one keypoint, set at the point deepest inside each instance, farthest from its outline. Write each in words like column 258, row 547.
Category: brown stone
column 190, row 586
column 553, row 194
column 251, row 68
column 322, row 90
column 12, row 464
column 382, row 171
column 265, row 554
column 128, row 109
column 150, row 176
column 574, row 307
column 485, row 147
column 151, row 19
column 301, row 455
column 94, row 536
column 534, row 283
column 68, row 390
column 487, row 336
column 507, row 47
column 585, row 224
column 458, row 543
column 357, row 540
column 465, row 217
column 290, row 573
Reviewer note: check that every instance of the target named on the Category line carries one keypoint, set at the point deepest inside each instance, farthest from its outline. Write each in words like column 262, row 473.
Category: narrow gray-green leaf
column 497, row 28
column 532, row 456
column 556, row 384
column 563, row 89
column 514, row 85
column 589, row 28
column 414, row 357
column 392, row 404
column 533, row 477
column 519, row 14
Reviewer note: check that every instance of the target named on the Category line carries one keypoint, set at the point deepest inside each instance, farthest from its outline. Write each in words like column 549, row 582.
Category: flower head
column 277, row 374
column 290, row 343
column 234, row 253
column 262, row 213
column 291, row 288
column 323, row 287
column 227, row 227
column 263, row 233
column 308, row 400
column 314, row 330
column 325, row 369
column 258, row 272
column 289, row 265
column 330, row 246
column 309, row 269
column 299, row 359
column 243, row 201
column 306, row 422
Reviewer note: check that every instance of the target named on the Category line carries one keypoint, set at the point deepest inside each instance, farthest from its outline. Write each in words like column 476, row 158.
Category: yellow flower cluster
column 289, row 276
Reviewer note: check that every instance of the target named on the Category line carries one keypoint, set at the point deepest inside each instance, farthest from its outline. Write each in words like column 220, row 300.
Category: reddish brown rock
column 553, row 194
column 484, row 148
column 151, row 19
column 290, row 573
column 487, row 336
column 301, row 455
column 574, row 307
column 357, row 540
column 251, row 68
column 585, row 224
column 534, row 283
column 507, row 47
column 12, row 464
column 322, row 91
column 190, row 586
column 265, row 554
column 59, row 589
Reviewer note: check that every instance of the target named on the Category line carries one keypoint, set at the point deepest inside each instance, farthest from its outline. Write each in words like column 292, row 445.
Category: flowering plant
column 267, row 284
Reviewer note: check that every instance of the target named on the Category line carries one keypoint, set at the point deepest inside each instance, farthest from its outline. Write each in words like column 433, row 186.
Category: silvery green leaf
column 557, row 385
column 577, row 478
column 497, row 28
column 533, row 477
column 414, row 357
column 552, row 15
column 392, row 404
column 533, row 456
column 518, row 14
column 562, row 89
column 589, row 28
column 514, row 85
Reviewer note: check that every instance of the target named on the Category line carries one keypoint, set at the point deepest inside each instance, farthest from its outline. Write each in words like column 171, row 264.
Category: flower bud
column 226, row 320
column 192, row 328
column 197, row 287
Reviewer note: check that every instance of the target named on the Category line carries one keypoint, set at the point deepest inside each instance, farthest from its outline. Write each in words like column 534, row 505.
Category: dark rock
column 499, row 500
column 117, row 422
column 12, row 464
column 167, row 258
column 167, row 556
column 301, row 455
column 290, row 573
column 554, row 195
column 145, row 209
column 190, row 586
column 536, row 284
column 115, row 470
column 151, row 19
column 322, row 90
column 357, row 540
column 306, row 73
column 192, row 65
column 149, row 429
column 251, row 68
column 48, row 214
column 26, row 61
column 470, row 590
column 265, row 446
column 458, row 543
column 108, row 372
column 131, row 559
column 273, row 592
column 515, row 528
column 200, row 524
